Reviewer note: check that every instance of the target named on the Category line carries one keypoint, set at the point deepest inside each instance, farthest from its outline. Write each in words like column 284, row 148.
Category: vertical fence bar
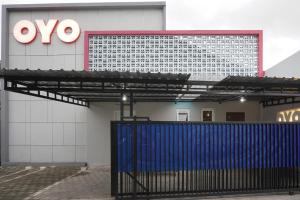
column 161, row 158
column 165, row 156
column 256, row 159
column 157, row 145
column 273, row 156
column 152, row 156
column 183, row 157
column 227, row 158
column 114, row 163
column 196, row 156
column 147, row 161
column 278, row 141
column 268, row 160
column 250, row 157
column 262, row 177
column 178, row 157
column 135, row 163
column 122, row 146
column 186, row 138
column 296, row 164
column 173, row 159
column 297, row 154
column 201, row 167
column 247, row 160
column 292, row 139
column 205, row 163
column 169, row 158
column 231, row 158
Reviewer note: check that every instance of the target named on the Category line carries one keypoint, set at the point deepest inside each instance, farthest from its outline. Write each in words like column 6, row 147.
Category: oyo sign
column 67, row 30
column 292, row 115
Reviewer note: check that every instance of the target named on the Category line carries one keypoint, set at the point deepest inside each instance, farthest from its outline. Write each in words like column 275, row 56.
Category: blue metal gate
column 155, row 159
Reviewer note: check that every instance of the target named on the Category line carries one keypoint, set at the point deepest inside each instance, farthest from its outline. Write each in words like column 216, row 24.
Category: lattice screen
column 206, row 57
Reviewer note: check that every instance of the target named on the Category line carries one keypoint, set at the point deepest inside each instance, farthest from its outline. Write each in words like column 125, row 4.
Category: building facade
column 112, row 36
column 37, row 130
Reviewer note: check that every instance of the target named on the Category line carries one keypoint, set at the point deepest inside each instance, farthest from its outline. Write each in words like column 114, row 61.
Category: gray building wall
column 38, row 130
column 290, row 67
column 269, row 114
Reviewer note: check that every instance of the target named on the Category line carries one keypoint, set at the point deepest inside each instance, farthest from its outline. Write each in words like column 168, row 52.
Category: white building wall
column 49, row 131
column 167, row 111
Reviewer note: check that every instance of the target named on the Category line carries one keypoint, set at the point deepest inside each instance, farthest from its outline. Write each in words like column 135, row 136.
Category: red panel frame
column 259, row 33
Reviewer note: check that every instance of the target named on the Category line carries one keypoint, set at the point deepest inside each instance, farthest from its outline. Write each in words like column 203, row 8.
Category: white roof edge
column 83, row 5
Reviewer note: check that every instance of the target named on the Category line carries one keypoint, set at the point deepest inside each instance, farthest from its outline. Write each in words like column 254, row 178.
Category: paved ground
column 56, row 183
column 18, row 183
column 89, row 184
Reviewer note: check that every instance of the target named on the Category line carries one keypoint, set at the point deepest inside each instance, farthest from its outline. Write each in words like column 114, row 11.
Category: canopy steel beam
column 82, row 87
column 16, row 87
column 280, row 101
column 162, row 91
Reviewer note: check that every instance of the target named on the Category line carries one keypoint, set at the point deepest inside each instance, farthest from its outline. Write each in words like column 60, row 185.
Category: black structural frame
column 280, row 101
column 83, row 87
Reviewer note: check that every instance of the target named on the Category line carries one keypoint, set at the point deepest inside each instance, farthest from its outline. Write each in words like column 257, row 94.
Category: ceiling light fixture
column 242, row 99
column 124, row 97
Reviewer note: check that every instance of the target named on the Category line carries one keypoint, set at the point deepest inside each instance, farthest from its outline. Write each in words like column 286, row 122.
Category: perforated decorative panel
column 204, row 56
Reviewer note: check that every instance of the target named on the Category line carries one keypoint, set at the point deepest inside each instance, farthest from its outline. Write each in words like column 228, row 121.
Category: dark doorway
column 207, row 115
column 235, row 116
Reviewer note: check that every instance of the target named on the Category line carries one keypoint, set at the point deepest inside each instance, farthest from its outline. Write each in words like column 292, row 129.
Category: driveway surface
column 18, row 183
column 58, row 183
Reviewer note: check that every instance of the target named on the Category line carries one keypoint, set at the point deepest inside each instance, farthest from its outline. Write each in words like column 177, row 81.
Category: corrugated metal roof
column 246, row 81
column 92, row 75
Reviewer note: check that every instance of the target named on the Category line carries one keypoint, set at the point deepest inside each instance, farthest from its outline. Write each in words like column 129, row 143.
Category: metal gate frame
column 262, row 157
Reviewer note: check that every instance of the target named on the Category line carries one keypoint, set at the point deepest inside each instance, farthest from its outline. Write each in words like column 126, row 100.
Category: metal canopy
column 83, row 87
column 263, row 82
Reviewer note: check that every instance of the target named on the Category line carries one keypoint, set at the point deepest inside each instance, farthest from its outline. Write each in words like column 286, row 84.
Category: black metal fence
column 171, row 159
